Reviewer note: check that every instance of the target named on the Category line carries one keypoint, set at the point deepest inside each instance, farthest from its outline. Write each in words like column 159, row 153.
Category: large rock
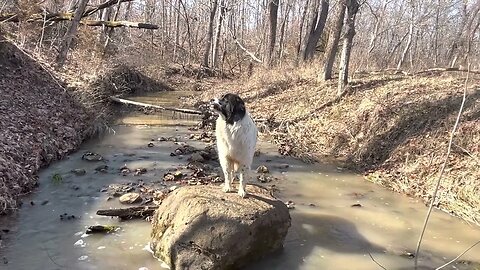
column 201, row 227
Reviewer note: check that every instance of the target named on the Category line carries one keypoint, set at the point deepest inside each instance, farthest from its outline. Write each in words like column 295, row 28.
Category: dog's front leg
column 242, row 185
column 227, row 167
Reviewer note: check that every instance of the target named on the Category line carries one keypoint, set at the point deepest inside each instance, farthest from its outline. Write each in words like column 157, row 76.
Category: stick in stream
column 128, row 213
column 131, row 102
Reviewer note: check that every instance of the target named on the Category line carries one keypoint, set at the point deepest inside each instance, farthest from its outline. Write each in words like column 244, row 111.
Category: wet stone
column 130, row 198
column 101, row 229
column 79, row 172
column 356, row 205
column 262, row 169
column 150, row 145
column 90, row 156
column 101, row 168
column 196, row 157
column 140, row 171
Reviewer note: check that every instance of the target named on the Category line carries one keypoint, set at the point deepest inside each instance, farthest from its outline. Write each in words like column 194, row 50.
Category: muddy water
column 326, row 233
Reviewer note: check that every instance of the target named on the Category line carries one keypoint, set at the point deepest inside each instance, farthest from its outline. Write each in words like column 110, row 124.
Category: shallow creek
column 338, row 217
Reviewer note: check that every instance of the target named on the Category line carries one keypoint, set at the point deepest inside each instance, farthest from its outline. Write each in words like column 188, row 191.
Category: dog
column 236, row 136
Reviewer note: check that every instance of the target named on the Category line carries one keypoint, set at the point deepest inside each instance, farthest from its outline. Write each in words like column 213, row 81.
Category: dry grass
column 392, row 127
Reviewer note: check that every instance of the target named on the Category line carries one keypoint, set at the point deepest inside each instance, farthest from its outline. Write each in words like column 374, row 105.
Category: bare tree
column 272, row 22
column 332, row 46
column 71, row 32
column 352, row 9
column 317, row 25
column 208, row 44
column 410, row 36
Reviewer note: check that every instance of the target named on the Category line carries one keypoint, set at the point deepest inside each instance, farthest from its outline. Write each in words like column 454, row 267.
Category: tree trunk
column 332, row 45
column 272, row 22
column 281, row 42
column 316, row 30
column 71, row 32
column 409, row 40
column 300, row 38
column 352, row 8
column 218, row 31
column 208, row 44
column 177, row 31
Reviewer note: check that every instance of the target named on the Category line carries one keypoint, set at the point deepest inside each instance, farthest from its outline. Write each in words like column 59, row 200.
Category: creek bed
column 337, row 217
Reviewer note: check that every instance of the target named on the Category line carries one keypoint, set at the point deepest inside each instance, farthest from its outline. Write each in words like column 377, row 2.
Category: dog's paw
column 242, row 193
column 226, row 189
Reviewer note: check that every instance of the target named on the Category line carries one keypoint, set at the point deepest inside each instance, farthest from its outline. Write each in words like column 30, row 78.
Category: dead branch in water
column 136, row 103
column 442, row 170
column 128, row 213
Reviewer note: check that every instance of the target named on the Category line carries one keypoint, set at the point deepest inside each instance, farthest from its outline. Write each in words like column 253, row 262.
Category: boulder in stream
column 201, row 227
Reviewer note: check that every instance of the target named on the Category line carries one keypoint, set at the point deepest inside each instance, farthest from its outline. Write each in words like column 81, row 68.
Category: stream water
column 338, row 218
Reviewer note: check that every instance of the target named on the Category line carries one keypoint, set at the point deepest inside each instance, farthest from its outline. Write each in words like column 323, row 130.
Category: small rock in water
column 83, row 258
column 5, row 261
column 356, row 205
column 312, row 205
column 32, row 203
column 290, row 205
column 264, row 178
column 256, row 153
column 150, row 145
column 161, row 139
column 196, row 157
column 101, row 229
column 282, row 166
column 130, row 198
column 101, row 168
column 79, row 172
column 44, row 202
column 140, row 171
column 262, row 169
column 90, row 156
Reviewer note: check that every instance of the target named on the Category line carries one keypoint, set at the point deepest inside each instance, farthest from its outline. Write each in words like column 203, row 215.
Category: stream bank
column 337, row 218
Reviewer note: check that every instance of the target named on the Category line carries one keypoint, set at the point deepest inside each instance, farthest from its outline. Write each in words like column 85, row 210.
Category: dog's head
column 230, row 107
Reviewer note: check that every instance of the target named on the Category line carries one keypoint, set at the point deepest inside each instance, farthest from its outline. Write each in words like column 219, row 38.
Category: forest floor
column 392, row 128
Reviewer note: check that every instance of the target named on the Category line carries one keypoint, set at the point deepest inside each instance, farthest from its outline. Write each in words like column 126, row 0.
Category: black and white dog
column 236, row 136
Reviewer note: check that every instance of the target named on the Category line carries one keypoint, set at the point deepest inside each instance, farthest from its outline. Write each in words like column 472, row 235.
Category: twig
column 468, row 153
column 51, row 259
column 456, row 258
column 442, row 170
column 371, row 257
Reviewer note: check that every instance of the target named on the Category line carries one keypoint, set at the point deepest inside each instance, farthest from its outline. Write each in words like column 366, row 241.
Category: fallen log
column 128, row 213
column 136, row 103
column 58, row 16
column 114, row 24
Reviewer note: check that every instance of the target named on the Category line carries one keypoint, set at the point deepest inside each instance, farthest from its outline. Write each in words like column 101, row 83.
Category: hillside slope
column 393, row 128
column 39, row 122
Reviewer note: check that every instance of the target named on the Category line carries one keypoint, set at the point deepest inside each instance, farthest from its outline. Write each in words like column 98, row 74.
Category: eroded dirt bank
column 392, row 128
column 46, row 114
column 39, row 122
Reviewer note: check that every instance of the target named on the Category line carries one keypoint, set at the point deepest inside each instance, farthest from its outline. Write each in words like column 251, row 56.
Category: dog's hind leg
column 242, row 184
column 227, row 166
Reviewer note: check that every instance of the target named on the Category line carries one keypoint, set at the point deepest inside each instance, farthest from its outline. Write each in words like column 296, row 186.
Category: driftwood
column 136, row 103
column 128, row 213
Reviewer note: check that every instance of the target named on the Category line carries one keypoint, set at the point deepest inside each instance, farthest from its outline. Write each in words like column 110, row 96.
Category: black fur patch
column 232, row 107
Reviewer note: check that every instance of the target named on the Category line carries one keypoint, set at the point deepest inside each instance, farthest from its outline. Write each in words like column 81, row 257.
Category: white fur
column 236, row 147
